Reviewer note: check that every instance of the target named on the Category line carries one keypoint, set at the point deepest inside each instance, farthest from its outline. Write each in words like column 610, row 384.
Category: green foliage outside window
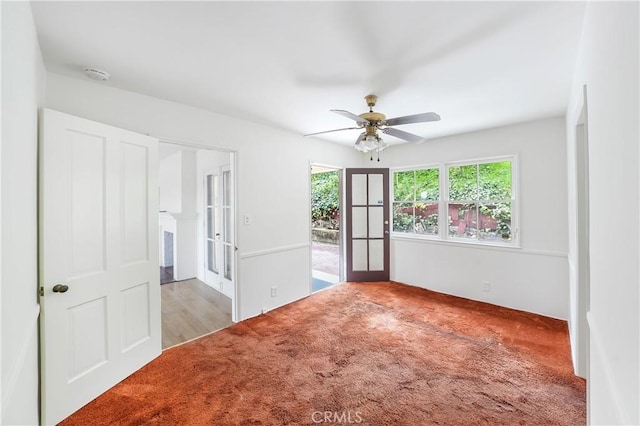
column 416, row 194
column 325, row 201
column 479, row 206
column 486, row 187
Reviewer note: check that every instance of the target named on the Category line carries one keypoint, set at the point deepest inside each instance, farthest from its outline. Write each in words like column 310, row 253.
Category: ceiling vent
column 97, row 74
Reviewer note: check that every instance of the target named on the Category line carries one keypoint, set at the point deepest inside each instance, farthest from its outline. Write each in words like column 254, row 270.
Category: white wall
column 608, row 65
column 170, row 182
column 272, row 178
column 531, row 278
column 23, row 83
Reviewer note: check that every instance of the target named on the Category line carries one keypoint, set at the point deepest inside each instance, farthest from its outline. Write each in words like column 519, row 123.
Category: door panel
column 98, row 222
column 367, row 218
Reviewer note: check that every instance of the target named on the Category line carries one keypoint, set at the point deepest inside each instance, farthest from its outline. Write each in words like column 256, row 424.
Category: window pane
column 403, row 186
column 463, row 220
column 426, row 218
column 495, row 222
column 403, row 217
column 495, row 181
column 427, row 185
column 463, row 182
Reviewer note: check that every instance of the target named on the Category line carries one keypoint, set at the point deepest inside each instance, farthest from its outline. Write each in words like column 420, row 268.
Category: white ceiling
column 286, row 64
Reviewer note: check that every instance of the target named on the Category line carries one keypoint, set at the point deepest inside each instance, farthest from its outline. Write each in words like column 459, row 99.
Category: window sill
column 457, row 242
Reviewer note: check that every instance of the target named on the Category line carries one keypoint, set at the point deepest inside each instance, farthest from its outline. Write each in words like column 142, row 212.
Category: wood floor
column 191, row 309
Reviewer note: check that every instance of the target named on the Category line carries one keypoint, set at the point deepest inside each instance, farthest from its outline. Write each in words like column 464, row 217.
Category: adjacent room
column 360, row 212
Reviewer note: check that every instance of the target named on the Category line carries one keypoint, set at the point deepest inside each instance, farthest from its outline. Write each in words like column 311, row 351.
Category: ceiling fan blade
column 330, row 131
column 416, row 118
column 352, row 116
column 410, row 137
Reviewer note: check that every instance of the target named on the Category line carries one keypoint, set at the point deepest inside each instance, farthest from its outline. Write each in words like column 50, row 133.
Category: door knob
column 386, row 222
column 60, row 288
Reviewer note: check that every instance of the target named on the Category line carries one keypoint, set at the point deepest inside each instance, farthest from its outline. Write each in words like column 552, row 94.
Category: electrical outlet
column 264, row 310
column 247, row 219
column 486, row 286
column 274, row 291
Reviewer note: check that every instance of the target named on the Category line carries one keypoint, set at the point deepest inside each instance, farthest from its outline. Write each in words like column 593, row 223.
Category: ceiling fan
column 371, row 122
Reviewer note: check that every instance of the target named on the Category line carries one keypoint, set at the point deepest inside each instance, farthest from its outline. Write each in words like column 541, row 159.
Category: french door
column 99, row 277
column 367, row 217
column 219, row 214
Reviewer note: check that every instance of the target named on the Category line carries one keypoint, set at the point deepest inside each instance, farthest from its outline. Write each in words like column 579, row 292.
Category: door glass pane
column 376, row 219
column 376, row 255
column 228, row 229
column 209, row 190
column 215, row 190
column 210, row 223
column 211, row 257
column 375, row 190
column 228, row 253
column 359, row 255
column 226, row 188
column 359, row 190
column 359, row 222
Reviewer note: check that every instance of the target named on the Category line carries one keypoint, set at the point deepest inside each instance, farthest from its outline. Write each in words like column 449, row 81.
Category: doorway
column 326, row 218
column 197, row 248
column 582, row 269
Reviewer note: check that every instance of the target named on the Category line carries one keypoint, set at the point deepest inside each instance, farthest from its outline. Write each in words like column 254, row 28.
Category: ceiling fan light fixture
column 371, row 142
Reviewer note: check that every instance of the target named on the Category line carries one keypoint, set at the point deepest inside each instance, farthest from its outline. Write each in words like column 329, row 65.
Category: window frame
column 443, row 202
column 439, row 201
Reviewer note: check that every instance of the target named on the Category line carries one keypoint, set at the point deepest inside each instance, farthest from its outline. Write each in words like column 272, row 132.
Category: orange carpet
column 360, row 353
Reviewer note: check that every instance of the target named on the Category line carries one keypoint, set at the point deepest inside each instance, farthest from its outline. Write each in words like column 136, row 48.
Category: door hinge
column 41, row 291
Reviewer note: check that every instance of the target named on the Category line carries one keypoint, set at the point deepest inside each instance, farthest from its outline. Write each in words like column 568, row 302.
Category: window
column 480, row 201
column 416, row 195
column 470, row 201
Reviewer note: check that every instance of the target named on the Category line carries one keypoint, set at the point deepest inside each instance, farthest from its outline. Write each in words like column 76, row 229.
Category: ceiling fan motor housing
column 373, row 117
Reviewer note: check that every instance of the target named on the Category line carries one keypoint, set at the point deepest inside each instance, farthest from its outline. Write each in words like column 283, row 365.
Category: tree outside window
column 416, row 196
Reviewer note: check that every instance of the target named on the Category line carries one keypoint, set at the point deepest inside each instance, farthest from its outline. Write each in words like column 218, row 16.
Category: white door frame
column 341, row 202
column 235, row 302
column 582, row 268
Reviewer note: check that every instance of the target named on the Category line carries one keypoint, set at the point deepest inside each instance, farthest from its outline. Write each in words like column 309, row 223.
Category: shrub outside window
column 416, row 196
column 469, row 201
column 480, row 201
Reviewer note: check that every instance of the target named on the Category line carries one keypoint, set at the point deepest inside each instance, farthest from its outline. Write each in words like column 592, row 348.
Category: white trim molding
column 274, row 250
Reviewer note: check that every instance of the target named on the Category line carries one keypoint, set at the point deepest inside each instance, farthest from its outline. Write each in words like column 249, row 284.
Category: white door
column 212, row 229
column 226, row 235
column 99, row 277
column 219, row 226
